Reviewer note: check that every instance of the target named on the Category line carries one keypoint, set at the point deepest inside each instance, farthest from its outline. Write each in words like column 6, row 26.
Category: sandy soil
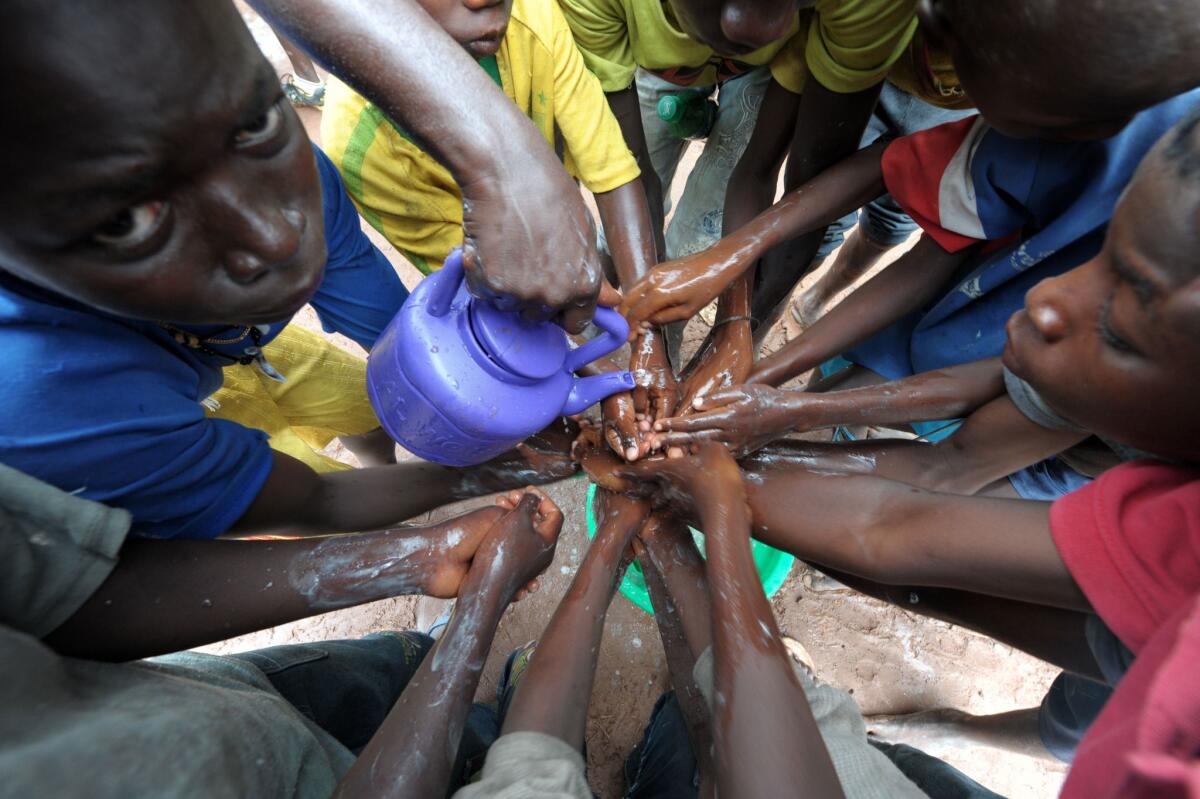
column 890, row 660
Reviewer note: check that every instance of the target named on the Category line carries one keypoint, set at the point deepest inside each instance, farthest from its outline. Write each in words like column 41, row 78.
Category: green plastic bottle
column 688, row 114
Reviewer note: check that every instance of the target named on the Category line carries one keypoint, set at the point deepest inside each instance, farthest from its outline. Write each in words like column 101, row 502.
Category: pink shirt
column 1131, row 540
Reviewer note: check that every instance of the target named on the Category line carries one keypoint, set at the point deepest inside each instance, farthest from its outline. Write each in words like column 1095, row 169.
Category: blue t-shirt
column 963, row 183
column 109, row 408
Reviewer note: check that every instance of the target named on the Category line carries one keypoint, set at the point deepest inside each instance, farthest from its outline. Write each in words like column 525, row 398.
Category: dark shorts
column 1074, row 702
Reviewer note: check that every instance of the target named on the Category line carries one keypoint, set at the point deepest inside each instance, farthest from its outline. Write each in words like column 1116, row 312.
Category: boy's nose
column 267, row 239
column 754, row 24
column 1047, row 311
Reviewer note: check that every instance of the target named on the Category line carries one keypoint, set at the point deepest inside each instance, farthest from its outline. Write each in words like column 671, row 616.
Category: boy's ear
column 933, row 21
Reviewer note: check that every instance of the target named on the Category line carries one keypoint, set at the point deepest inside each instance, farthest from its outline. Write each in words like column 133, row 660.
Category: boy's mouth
column 486, row 45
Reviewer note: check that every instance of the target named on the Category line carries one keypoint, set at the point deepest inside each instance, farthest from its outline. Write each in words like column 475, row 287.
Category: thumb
column 609, row 296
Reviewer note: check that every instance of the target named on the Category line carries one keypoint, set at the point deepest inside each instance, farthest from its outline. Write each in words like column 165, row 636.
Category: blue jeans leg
column 937, row 778
column 663, row 765
column 348, row 688
column 896, row 114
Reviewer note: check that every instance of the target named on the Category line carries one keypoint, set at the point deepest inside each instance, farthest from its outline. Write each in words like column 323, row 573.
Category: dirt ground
column 890, row 660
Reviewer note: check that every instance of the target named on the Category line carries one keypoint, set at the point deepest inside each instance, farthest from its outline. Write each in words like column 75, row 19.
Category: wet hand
column 744, row 418
column 706, row 473
column 529, row 243
column 461, row 537
column 725, row 364
column 542, row 458
column 622, row 431
column 658, row 391
column 521, row 544
column 675, row 291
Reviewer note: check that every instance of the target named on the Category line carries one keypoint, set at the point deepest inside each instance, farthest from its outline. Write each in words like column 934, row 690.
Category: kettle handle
column 449, row 280
column 616, row 333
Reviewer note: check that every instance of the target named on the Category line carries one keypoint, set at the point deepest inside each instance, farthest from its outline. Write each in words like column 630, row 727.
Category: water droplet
column 206, row 603
column 433, row 348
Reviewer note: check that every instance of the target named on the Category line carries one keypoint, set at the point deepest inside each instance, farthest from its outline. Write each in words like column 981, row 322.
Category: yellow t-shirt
column 413, row 200
column 849, row 45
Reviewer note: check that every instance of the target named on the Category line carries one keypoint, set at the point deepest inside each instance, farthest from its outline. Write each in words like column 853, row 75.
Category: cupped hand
column 725, row 364
column 657, row 390
column 675, row 291
column 529, row 242
column 459, row 539
column 620, row 424
column 743, row 418
column 521, row 544
column 706, row 471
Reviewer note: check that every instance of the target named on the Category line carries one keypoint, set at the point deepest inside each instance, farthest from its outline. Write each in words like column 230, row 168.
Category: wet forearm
column 681, row 568
column 296, row 501
column 761, row 704
column 553, row 695
column 941, row 394
column 628, row 230
column 166, row 596
column 896, row 534
column 413, row 753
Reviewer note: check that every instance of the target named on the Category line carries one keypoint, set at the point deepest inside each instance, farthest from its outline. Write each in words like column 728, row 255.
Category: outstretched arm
column 677, row 290
column 165, row 596
column 413, row 752
column 553, row 694
column 297, row 501
column 766, row 741
column 627, row 109
column 992, row 443
column 527, row 233
column 914, row 279
column 631, row 242
column 748, row 417
column 895, row 534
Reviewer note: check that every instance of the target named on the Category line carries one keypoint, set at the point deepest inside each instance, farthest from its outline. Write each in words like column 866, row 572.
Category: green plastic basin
column 773, row 565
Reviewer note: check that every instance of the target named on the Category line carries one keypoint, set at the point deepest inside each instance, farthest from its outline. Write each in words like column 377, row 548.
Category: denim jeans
column 696, row 224
column 896, row 114
column 348, row 688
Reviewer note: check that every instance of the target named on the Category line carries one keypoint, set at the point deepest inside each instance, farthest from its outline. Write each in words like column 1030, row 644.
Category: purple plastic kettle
column 457, row 381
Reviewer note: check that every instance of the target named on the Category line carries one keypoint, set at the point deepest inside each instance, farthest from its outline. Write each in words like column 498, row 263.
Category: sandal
column 301, row 92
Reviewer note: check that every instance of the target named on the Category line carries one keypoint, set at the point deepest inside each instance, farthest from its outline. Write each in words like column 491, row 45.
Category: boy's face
column 154, row 169
column 1041, row 113
column 1040, row 101
column 1114, row 345
column 736, row 27
column 478, row 25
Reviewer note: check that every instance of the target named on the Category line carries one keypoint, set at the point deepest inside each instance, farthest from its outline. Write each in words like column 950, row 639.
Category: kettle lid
column 531, row 349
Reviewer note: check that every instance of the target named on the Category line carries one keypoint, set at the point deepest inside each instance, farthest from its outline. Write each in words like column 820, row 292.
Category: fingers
column 682, row 441
column 662, row 406
column 622, row 443
column 695, row 422
column 721, row 396
column 609, row 296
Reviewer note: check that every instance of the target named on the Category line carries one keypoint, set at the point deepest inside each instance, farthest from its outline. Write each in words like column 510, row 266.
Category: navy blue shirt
column 109, row 408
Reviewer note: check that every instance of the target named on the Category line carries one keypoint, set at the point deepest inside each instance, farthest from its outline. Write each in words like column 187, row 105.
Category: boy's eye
column 1109, row 336
column 262, row 129
column 132, row 226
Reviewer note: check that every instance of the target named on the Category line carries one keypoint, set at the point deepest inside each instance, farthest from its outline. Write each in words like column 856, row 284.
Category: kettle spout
column 587, row 391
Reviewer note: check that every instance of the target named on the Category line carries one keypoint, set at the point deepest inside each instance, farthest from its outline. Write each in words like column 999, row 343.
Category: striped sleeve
column 962, row 182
